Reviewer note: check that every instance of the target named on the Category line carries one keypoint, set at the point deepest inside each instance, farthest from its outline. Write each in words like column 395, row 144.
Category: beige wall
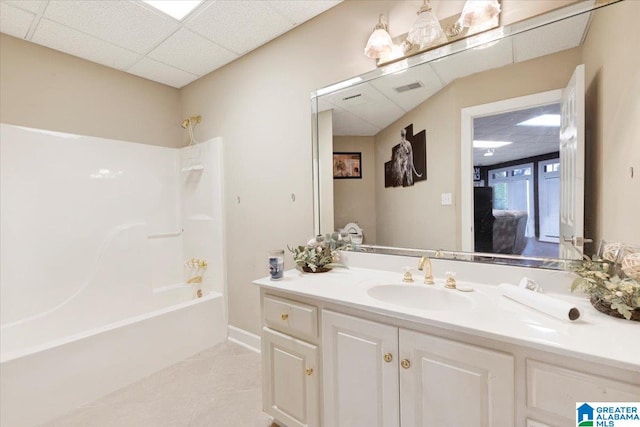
column 47, row 89
column 413, row 216
column 612, row 196
column 260, row 104
column 354, row 200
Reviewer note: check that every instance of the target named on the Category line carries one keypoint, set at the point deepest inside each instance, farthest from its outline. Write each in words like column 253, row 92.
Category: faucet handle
column 450, row 282
column 407, row 277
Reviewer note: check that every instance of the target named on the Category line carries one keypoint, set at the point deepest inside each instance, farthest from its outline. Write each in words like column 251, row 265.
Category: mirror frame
column 471, row 42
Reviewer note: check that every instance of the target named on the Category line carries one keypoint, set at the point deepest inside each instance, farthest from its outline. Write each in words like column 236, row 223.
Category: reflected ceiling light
column 177, row 9
column 549, row 120
column 426, row 30
column 490, row 144
column 380, row 43
column 489, row 152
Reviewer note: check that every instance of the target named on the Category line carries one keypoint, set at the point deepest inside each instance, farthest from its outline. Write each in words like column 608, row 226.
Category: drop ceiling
column 526, row 141
column 131, row 36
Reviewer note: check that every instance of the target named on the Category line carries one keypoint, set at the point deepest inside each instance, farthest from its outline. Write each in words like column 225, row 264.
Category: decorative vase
column 307, row 269
column 605, row 307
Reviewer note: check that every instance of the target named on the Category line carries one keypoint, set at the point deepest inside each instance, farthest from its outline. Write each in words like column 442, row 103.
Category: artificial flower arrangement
column 321, row 254
column 611, row 279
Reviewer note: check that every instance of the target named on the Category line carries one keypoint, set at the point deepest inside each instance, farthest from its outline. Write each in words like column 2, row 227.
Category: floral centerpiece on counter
column 321, row 254
column 611, row 279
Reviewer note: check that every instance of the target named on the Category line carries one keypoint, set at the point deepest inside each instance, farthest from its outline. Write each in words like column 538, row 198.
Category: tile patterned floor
column 220, row 387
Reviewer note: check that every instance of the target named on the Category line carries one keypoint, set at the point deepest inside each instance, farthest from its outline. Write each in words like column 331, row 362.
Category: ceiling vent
column 349, row 98
column 410, row 86
column 353, row 100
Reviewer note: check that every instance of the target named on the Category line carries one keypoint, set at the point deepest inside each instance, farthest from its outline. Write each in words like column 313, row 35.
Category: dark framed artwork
column 408, row 163
column 347, row 165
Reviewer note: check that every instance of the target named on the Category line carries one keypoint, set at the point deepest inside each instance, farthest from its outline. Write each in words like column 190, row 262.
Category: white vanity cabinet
column 290, row 365
column 448, row 383
column 360, row 372
column 379, row 375
column 333, row 357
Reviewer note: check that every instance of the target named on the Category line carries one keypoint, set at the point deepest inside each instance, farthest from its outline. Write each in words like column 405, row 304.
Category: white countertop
column 595, row 336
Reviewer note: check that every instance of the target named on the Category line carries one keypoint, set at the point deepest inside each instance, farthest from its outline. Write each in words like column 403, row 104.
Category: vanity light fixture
column 425, row 31
column 490, row 144
column 547, row 120
column 177, row 9
column 477, row 14
column 380, row 42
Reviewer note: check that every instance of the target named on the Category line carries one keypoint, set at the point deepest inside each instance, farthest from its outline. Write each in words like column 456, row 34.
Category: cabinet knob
column 284, row 316
column 405, row 363
column 308, row 371
column 388, row 357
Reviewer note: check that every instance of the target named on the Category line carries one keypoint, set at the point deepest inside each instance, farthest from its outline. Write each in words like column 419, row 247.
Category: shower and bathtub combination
column 112, row 265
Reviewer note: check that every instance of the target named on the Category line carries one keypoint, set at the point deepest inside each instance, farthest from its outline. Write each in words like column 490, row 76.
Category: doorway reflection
column 517, row 182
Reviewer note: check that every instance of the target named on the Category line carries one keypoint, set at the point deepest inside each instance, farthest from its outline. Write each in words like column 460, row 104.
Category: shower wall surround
column 93, row 228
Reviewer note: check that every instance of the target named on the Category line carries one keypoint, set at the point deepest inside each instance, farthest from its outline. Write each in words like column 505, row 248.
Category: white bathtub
column 41, row 381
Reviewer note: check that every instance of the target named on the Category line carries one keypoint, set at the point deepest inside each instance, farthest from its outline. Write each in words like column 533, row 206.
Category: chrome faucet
column 425, row 263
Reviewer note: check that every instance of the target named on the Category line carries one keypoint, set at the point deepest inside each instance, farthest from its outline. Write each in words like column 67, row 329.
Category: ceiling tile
column 59, row 37
column 178, row 51
column 117, row 33
column 367, row 103
column 300, row 11
column 237, row 27
column 551, row 38
column 474, row 61
column 409, row 99
column 15, row 22
column 159, row 72
column 29, row 5
column 119, row 22
column 345, row 123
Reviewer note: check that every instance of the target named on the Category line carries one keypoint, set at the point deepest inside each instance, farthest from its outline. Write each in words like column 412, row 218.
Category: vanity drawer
column 291, row 317
column 555, row 389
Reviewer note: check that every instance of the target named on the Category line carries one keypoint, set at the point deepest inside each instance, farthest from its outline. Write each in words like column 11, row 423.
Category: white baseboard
column 244, row 338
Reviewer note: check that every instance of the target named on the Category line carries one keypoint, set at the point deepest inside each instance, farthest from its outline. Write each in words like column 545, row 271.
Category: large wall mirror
column 475, row 147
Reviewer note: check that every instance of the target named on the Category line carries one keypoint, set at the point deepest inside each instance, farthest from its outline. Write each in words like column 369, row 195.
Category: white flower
column 610, row 251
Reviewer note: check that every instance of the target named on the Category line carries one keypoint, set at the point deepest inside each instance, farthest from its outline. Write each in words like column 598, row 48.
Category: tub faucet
column 425, row 263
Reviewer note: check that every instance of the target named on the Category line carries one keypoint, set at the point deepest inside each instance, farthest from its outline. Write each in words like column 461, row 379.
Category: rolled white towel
column 552, row 306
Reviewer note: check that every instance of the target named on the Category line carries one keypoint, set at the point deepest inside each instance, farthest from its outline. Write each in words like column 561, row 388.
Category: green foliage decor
column 321, row 253
column 608, row 283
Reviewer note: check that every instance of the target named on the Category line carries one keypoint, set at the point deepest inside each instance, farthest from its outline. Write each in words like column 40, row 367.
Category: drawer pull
column 388, row 357
column 284, row 316
column 308, row 371
column 405, row 363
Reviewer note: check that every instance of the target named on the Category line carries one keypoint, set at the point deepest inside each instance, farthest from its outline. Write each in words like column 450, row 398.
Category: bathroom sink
column 422, row 297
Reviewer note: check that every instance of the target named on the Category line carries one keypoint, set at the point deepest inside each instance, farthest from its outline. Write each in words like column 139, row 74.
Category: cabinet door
column 290, row 388
column 449, row 384
column 360, row 372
